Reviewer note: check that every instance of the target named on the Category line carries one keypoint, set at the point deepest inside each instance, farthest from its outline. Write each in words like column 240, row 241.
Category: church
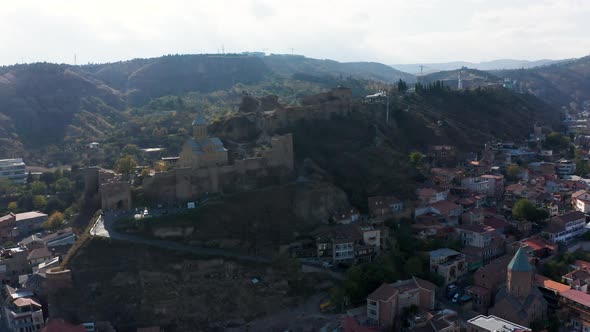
column 519, row 301
column 202, row 151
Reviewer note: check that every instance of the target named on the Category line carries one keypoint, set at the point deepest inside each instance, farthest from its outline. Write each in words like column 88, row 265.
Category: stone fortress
column 206, row 166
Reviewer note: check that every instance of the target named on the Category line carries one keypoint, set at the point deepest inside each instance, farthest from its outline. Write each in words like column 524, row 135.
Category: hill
column 558, row 84
column 470, row 78
column 485, row 65
column 296, row 64
column 42, row 104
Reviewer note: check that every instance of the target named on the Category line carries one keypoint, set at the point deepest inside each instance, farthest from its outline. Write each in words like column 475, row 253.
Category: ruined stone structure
column 203, row 167
column 107, row 188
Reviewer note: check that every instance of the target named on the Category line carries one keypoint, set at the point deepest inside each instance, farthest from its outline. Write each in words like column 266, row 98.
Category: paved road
column 104, row 227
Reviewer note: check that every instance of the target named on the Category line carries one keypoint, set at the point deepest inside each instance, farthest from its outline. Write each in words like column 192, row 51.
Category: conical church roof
column 520, row 262
column 200, row 120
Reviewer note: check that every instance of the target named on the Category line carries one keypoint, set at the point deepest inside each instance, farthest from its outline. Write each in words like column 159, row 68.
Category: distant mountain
column 467, row 74
column 558, row 84
column 294, row 64
column 486, row 65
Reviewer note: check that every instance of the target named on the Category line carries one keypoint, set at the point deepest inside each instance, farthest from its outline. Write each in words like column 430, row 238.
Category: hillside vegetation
column 558, row 84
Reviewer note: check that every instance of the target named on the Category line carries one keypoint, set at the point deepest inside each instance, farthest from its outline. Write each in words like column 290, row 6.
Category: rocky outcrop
column 133, row 285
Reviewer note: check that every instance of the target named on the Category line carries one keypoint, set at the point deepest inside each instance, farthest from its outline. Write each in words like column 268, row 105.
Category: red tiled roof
column 495, row 223
column 479, row 290
column 582, row 264
column 39, row 253
column 537, row 243
column 25, row 301
column 445, row 207
column 542, row 281
column 8, row 217
column 383, row 293
column 59, row 325
column 577, row 296
column 425, row 284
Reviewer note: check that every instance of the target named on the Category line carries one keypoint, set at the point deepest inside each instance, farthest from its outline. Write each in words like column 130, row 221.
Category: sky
column 389, row 31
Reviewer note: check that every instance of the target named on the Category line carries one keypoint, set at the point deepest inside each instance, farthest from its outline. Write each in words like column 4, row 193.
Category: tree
column 12, row 206
column 402, row 86
column 416, row 158
column 525, row 210
column 125, row 165
column 54, row 221
column 64, row 185
column 39, row 202
column 512, row 172
column 38, row 187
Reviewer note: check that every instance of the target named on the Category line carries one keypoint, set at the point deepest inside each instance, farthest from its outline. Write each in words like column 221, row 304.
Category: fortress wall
column 115, row 196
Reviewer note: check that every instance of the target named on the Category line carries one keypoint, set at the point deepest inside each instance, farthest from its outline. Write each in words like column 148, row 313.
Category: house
column 380, row 206
column 473, row 216
column 388, row 301
column 490, row 277
column 581, row 201
column 22, row 311
column 346, row 243
column 567, row 227
column 442, row 154
column 519, row 301
column 448, row 263
column 574, row 308
column 538, row 247
column 578, row 279
column 449, row 210
column 480, row 298
column 445, row 320
column 57, row 242
column 346, row 216
column 551, row 290
column 492, row 323
column 431, row 195
column 39, row 255
column 43, row 267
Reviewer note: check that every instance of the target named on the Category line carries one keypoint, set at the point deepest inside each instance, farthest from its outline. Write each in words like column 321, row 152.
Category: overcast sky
column 389, row 31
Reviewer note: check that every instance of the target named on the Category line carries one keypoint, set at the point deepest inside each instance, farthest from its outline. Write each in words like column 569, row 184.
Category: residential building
column 567, row 227
column 565, row 167
column 382, row 306
column 60, row 325
column 581, row 201
column 519, row 301
column 479, row 185
column 388, row 301
column 492, row 323
column 13, row 169
column 8, row 229
column 39, row 255
column 538, row 247
column 13, row 262
column 442, row 154
column 431, row 195
column 448, row 263
column 380, row 206
column 22, row 312
column 449, row 210
column 29, row 222
column 496, row 184
column 346, row 243
column 551, row 290
column 575, row 310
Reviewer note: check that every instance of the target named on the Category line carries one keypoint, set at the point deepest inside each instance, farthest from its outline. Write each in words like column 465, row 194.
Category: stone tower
column 520, row 275
column 200, row 127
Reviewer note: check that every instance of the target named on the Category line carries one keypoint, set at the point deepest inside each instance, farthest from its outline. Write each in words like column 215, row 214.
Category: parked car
column 456, row 298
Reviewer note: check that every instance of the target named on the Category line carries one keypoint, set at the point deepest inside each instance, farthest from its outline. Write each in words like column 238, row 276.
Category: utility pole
column 75, row 60
column 292, row 50
column 387, row 108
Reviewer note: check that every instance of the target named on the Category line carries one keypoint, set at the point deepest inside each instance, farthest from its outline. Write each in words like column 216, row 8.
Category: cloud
column 389, row 31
